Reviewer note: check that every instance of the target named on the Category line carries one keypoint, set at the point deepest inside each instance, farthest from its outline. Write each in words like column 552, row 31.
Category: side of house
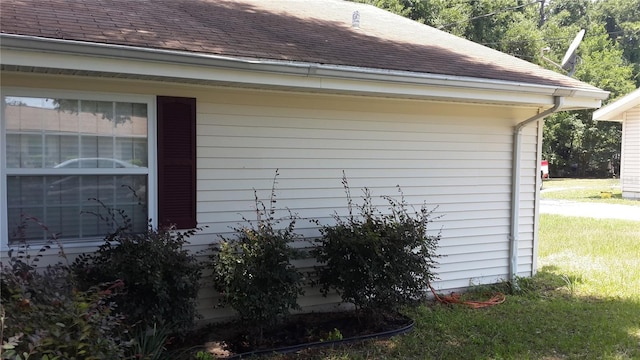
column 180, row 118
column 627, row 111
column 630, row 157
column 457, row 159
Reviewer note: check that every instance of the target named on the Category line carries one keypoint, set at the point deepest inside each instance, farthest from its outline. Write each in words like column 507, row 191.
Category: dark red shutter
column 177, row 161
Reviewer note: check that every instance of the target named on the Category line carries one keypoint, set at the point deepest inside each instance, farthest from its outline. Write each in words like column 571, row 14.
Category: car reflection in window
column 93, row 163
column 107, row 188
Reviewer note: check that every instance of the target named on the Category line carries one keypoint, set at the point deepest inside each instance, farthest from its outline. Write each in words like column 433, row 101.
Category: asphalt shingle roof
column 288, row 30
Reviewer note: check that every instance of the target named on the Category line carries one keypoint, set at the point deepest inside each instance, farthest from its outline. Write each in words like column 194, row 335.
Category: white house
column 206, row 99
column 627, row 111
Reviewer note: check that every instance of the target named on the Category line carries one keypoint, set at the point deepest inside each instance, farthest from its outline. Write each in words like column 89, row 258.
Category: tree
column 562, row 143
column 590, row 149
column 621, row 19
column 400, row 7
column 603, row 64
column 568, row 13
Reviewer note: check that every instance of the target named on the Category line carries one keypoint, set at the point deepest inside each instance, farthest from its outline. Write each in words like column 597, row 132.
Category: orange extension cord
column 454, row 298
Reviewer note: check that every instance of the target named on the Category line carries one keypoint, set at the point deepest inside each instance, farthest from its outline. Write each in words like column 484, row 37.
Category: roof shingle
column 288, row 30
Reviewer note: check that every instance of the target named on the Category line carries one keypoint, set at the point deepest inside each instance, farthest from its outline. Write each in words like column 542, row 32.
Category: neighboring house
column 627, row 111
column 208, row 98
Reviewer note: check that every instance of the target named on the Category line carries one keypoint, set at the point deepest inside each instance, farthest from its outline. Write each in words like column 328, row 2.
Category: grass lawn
column 589, row 190
column 584, row 303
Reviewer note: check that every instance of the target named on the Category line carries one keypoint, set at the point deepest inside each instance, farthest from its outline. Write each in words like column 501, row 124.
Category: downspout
column 515, row 184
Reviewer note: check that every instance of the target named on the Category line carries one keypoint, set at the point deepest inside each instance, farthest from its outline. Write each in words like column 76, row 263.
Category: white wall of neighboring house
column 626, row 110
column 455, row 157
column 630, row 160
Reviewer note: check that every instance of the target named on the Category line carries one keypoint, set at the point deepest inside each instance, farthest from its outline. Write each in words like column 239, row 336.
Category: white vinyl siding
column 529, row 185
column 457, row 157
column 459, row 164
column 630, row 176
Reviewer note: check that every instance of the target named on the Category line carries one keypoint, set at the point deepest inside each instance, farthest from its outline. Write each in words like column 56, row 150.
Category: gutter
column 558, row 101
column 284, row 67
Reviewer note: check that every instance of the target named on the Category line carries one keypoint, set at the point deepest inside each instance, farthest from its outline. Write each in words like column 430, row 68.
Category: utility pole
column 541, row 21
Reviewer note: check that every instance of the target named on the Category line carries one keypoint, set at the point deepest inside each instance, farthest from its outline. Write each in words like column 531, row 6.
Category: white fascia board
column 135, row 62
column 615, row 110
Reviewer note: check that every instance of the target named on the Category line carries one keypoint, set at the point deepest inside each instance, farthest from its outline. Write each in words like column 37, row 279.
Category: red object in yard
column 544, row 169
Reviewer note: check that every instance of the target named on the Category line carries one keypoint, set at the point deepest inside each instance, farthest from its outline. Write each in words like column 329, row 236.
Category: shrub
column 150, row 344
column 161, row 279
column 44, row 316
column 253, row 272
column 377, row 261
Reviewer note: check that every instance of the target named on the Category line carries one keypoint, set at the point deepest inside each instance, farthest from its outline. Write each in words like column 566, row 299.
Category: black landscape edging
column 319, row 344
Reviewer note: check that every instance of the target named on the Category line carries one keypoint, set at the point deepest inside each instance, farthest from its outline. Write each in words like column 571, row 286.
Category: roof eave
column 615, row 110
column 19, row 50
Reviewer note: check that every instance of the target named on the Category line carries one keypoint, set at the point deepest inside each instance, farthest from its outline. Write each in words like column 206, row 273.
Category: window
column 63, row 151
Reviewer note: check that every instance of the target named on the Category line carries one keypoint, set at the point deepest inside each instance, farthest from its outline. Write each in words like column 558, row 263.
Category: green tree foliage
column 563, row 139
column 621, row 19
column 609, row 58
column 593, row 144
column 603, row 64
column 569, row 12
column 400, row 7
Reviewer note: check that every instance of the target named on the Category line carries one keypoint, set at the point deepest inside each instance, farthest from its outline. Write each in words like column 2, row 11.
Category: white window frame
column 152, row 191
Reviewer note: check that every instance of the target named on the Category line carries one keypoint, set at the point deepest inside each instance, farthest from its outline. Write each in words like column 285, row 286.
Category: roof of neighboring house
column 615, row 110
column 319, row 32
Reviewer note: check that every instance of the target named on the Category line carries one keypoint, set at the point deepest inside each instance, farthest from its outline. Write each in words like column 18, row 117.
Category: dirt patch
column 229, row 339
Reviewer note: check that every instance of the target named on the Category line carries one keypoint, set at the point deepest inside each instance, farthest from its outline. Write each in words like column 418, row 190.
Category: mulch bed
column 229, row 339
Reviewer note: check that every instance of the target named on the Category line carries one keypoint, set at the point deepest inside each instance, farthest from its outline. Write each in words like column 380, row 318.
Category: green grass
column 603, row 253
column 584, row 303
column 589, row 190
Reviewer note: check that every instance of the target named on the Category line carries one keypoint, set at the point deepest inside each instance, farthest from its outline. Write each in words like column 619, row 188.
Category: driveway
column 588, row 209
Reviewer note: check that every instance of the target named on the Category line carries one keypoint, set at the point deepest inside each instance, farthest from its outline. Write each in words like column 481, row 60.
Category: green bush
column 377, row 261
column 44, row 316
column 161, row 279
column 150, row 344
column 253, row 272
